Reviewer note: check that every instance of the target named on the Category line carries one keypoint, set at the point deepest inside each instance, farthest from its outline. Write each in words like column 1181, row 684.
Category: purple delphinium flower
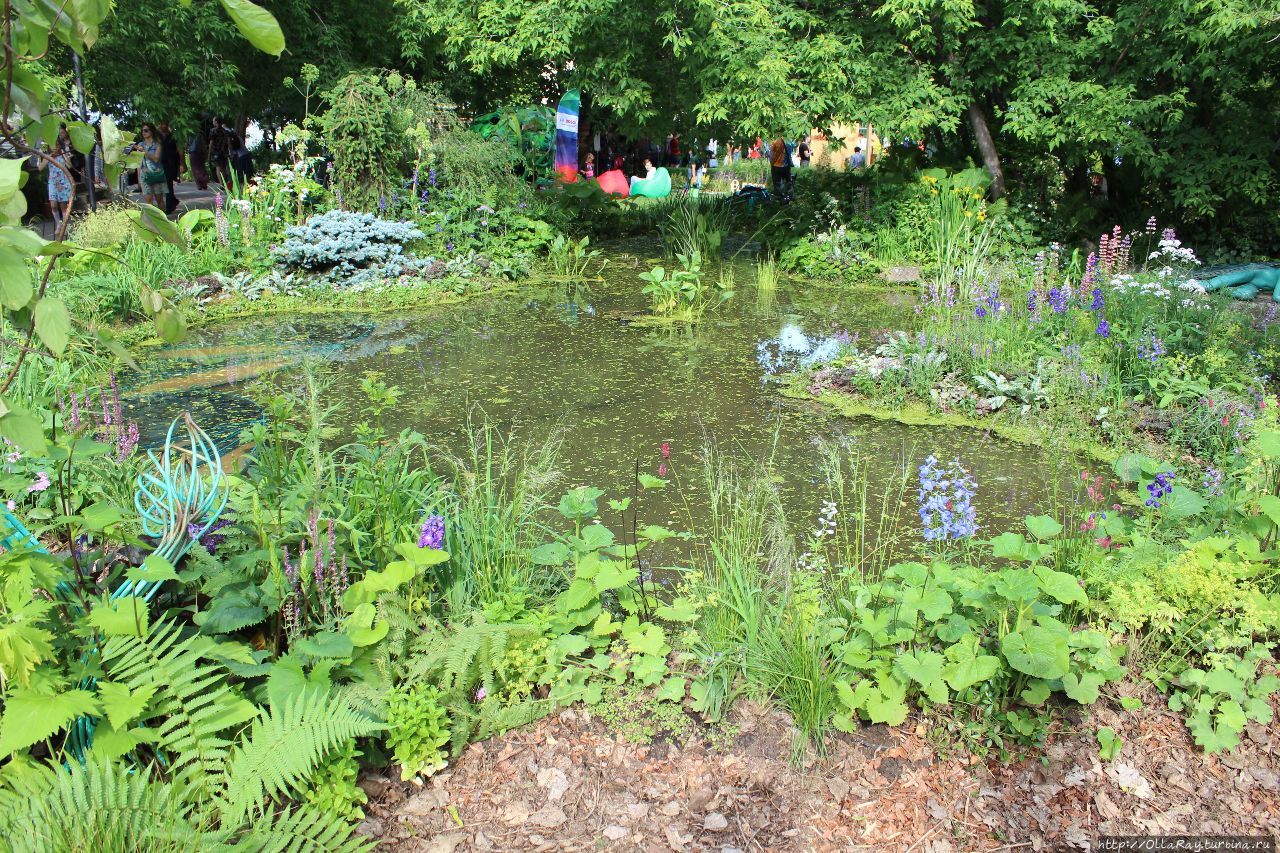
column 1104, row 329
column 1097, row 303
column 1057, row 300
column 1212, row 482
column 211, row 539
column 946, row 501
column 979, row 312
column 1031, row 302
column 432, row 534
column 1151, row 347
column 1159, row 487
column 448, row 247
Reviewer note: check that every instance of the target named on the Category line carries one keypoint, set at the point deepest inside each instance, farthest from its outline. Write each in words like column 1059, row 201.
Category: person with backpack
column 805, row 152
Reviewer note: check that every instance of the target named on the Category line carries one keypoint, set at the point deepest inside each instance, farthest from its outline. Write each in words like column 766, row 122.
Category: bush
column 103, row 228
column 349, row 248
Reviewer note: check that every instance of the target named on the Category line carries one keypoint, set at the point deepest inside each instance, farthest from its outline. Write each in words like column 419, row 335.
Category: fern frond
column 193, row 697
column 284, row 748
column 98, row 807
column 303, row 830
column 468, row 657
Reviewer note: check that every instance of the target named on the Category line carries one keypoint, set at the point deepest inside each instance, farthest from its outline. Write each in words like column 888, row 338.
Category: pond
column 582, row 361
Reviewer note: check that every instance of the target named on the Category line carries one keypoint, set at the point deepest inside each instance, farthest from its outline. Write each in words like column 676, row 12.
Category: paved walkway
column 189, row 195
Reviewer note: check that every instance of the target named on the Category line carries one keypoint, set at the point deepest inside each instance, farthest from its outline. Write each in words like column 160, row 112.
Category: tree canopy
column 1174, row 101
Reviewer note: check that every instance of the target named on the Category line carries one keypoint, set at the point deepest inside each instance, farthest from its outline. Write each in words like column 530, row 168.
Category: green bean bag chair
column 659, row 186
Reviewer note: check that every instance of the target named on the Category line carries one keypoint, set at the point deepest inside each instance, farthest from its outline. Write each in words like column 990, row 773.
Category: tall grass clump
column 694, row 224
column 492, row 517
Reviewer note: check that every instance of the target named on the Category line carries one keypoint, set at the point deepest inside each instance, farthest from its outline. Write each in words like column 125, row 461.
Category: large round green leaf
column 1038, row 651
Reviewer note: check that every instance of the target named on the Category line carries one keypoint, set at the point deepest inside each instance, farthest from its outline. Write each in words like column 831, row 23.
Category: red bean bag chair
column 614, row 183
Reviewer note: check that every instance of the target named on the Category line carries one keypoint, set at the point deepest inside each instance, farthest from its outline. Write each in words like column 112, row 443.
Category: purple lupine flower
column 432, row 534
column 1104, row 329
column 431, row 176
column 1031, row 302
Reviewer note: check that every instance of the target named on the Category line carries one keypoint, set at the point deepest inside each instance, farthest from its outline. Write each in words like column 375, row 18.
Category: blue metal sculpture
column 177, row 504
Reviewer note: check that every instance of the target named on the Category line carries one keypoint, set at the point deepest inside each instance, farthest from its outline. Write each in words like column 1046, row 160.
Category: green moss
column 918, row 414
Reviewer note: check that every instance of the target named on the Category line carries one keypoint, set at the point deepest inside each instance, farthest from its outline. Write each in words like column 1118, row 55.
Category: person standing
column 171, row 160
column 240, row 159
column 778, row 165
column 858, row 160
column 805, row 152
column 219, row 152
column 59, row 182
column 151, row 177
column 198, row 152
column 589, row 169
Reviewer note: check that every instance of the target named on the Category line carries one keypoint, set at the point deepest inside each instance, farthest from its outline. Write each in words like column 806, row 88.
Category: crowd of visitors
column 699, row 161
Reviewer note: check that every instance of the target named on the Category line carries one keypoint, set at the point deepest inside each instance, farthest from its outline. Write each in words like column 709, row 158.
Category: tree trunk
column 987, row 148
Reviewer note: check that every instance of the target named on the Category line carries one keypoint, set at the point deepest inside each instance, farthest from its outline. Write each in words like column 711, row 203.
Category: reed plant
column 493, row 517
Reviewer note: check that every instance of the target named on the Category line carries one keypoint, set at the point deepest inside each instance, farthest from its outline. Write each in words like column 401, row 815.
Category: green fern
column 97, row 807
column 302, row 830
column 193, row 698
column 284, row 748
column 466, row 659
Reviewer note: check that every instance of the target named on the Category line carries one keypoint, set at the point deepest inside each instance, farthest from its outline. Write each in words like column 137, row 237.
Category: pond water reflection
column 587, row 363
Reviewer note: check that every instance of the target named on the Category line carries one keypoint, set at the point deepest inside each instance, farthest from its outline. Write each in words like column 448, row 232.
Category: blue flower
column 946, row 501
column 1097, row 303
column 1104, row 329
column 979, row 312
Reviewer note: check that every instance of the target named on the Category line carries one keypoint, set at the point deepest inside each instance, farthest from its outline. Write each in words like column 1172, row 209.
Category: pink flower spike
column 666, row 450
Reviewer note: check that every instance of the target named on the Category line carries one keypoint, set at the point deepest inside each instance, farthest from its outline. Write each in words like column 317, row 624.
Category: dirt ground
column 568, row 783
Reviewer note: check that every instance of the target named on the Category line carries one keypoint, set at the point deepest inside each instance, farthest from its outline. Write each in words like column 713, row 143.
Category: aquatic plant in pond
column 946, row 501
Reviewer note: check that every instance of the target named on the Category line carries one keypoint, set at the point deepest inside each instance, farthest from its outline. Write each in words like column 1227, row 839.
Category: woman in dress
column 589, row 170
column 151, row 178
column 59, row 182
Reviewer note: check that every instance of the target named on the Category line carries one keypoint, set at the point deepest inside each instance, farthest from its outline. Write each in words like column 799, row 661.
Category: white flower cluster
column 1171, row 250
